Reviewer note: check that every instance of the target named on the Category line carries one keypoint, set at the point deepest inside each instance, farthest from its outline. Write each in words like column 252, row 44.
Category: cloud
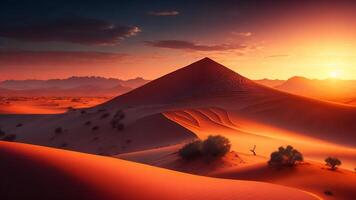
column 243, row 34
column 187, row 45
column 21, row 58
column 163, row 13
column 77, row 30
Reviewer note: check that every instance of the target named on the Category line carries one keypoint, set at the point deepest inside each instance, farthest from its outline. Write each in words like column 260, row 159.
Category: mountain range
column 73, row 86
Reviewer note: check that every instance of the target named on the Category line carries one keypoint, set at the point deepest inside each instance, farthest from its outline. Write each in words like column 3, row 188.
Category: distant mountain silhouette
column 270, row 82
column 327, row 89
column 73, row 86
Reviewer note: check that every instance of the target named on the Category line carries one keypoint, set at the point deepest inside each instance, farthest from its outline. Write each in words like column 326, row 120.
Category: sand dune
column 52, row 174
column 93, row 131
column 313, row 178
column 310, row 176
column 245, row 133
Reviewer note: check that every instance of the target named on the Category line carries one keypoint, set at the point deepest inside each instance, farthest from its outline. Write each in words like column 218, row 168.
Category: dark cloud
column 164, row 13
column 10, row 58
column 186, row 45
column 78, row 30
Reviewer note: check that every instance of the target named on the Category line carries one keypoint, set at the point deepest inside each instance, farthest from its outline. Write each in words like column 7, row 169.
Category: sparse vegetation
column 191, row 150
column 116, row 121
column 18, row 125
column 87, row 123
column 58, row 130
column 216, row 146
column 70, row 108
column 101, row 110
column 119, row 115
column 285, row 157
column 332, row 162
column 2, row 133
column 105, row 115
column 328, row 192
column 83, row 112
column 213, row 147
column 95, row 128
column 120, row 127
column 128, row 141
column 9, row 138
column 64, row 144
column 253, row 150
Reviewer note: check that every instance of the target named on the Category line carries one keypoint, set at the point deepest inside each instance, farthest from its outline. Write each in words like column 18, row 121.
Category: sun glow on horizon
column 335, row 74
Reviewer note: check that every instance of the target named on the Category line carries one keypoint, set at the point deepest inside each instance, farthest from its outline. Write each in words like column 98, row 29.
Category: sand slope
column 244, row 133
column 310, row 176
column 313, row 177
column 52, row 174
column 142, row 130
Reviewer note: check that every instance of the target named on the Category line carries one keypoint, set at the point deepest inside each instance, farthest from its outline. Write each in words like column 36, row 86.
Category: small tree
column 253, row 150
column 191, row 150
column 216, row 146
column 285, row 156
column 332, row 162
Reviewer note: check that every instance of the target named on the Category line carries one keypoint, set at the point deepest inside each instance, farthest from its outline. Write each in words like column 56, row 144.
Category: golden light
column 334, row 74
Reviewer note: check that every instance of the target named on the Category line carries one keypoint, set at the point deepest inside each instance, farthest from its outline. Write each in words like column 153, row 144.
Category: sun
column 334, row 74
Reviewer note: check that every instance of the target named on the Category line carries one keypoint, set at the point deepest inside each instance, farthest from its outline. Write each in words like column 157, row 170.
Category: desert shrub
column 120, row 127
column 328, row 192
column 70, row 108
column 116, row 121
column 216, row 146
column 18, row 125
column 332, row 162
column 191, row 150
column 285, row 156
column 58, row 130
column 87, row 123
column 95, row 128
column 128, row 141
column 83, row 112
column 212, row 148
column 64, row 144
column 105, row 115
column 9, row 138
column 119, row 115
column 2, row 133
column 101, row 110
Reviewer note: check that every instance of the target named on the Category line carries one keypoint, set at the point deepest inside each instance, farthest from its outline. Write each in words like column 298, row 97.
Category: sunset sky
column 258, row 39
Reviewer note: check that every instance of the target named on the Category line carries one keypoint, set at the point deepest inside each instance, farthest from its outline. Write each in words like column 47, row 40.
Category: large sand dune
column 58, row 174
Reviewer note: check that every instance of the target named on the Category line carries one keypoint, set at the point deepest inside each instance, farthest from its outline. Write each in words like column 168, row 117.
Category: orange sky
column 259, row 40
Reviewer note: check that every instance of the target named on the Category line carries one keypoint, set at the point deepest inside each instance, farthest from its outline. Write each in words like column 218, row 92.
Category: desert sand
column 193, row 102
column 50, row 171
column 310, row 176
